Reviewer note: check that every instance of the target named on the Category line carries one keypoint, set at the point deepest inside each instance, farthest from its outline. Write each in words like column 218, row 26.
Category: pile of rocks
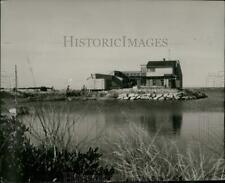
column 182, row 95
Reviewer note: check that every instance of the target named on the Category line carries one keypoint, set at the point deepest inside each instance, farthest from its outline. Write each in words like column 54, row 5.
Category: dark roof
column 162, row 77
column 169, row 63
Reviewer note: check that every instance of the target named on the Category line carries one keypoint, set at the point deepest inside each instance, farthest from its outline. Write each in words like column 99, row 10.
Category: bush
column 74, row 93
column 47, row 164
column 20, row 161
column 12, row 143
column 139, row 157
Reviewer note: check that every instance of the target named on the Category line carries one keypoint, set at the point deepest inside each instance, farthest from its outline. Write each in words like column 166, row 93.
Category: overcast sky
column 32, row 35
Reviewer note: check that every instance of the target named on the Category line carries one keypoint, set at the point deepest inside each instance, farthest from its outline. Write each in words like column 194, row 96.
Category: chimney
column 164, row 59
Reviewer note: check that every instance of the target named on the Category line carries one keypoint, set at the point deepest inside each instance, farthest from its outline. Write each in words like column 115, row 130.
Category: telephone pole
column 0, row 73
column 16, row 84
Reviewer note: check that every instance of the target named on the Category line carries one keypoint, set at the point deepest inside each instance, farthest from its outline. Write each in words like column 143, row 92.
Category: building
column 138, row 76
column 156, row 74
column 114, row 80
column 164, row 73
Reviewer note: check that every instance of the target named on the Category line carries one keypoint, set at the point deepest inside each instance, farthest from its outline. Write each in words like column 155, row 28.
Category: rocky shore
column 162, row 95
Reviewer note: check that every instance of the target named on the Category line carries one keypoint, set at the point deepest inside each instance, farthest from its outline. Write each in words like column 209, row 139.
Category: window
column 151, row 70
column 154, row 82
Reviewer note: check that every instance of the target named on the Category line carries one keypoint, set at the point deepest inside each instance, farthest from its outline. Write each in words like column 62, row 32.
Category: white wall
column 95, row 84
column 160, row 71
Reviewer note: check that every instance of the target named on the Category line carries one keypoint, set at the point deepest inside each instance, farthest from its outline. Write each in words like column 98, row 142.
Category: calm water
column 194, row 121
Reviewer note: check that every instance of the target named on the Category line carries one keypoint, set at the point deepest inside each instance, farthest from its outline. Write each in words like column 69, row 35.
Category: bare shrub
column 138, row 157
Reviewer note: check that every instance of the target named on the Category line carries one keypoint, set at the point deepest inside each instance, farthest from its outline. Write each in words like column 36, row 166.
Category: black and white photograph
column 112, row 91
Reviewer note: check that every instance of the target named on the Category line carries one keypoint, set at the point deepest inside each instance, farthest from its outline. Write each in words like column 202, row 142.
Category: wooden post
column 16, row 84
column 0, row 73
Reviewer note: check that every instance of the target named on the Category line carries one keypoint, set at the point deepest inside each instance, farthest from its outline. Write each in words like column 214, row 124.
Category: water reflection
column 164, row 122
column 150, row 122
column 177, row 123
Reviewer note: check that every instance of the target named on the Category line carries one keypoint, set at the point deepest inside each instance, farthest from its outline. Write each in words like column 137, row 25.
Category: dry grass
column 138, row 157
column 55, row 125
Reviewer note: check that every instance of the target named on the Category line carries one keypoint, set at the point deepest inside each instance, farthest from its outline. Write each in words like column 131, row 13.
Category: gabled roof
column 169, row 63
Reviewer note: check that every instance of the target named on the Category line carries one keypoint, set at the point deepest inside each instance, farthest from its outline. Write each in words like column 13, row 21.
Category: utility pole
column 0, row 74
column 16, row 84
column 0, row 86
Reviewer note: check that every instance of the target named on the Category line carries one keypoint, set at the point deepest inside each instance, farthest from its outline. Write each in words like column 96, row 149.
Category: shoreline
column 155, row 94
